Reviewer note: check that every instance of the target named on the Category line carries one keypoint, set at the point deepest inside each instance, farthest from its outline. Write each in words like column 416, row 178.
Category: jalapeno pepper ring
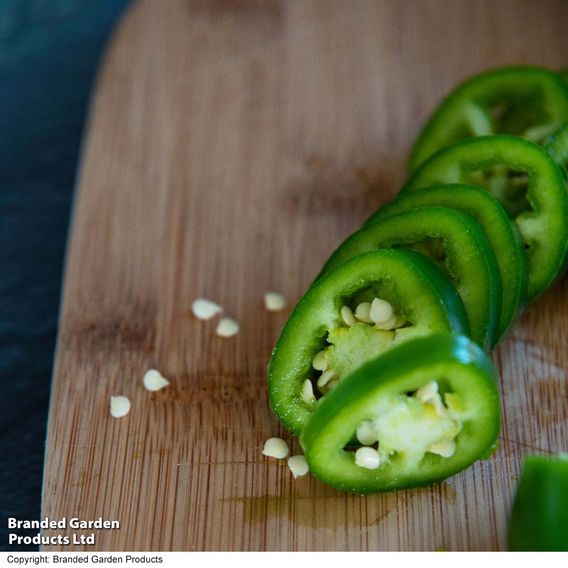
column 529, row 185
column 502, row 233
column 327, row 336
column 523, row 100
column 539, row 519
column 453, row 238
column 557, row 146
column 423, row 433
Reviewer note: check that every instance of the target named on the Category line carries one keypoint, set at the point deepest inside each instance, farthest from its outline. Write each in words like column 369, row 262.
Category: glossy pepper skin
column 411, row 282
column 522, row 100
column 539, row 519
column 502, row 233
column 539, row 204
column 460, row 366
column 468, row 258
column 557, row 146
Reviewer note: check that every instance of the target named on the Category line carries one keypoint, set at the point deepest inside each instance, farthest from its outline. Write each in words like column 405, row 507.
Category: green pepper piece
column 525, row 101
column 501, row 232
column 539, row 519
column 453, row 238
column 423, row 300
column 526, row 181
column 557, row 146
column 383, row 392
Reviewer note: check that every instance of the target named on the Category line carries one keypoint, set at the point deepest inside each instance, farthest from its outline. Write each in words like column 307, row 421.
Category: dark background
column 49, row 51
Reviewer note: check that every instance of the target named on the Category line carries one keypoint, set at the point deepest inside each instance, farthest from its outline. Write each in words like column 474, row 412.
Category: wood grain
column 232, row 145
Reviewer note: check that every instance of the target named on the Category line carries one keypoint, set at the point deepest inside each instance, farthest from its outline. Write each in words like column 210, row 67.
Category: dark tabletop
column 49, row 50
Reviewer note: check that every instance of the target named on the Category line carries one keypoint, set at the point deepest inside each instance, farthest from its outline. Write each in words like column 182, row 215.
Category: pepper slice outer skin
column 539, row 517
column 455, row 360
column 467, row 110
column 500, row 229
column 543, row 228
column 470, row 260
column 418, row 282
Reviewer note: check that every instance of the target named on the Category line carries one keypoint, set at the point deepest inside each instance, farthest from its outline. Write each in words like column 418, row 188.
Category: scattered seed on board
column 275, row 448
column 119, row 406
column 154, row 380
column 205, row 309
column 298, row 466
column 274, row 302
column 227, row 327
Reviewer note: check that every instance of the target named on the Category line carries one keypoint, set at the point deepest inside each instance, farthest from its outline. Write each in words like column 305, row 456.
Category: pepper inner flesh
column 368, row 325
column 521, row 116
column 407, row 426
column 508, row 186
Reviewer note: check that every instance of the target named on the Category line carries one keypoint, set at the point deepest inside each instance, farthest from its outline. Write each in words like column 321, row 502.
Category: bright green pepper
column 539, row 519
column 460, row 246
column 526, row 101
column 502, row 233
column 557, row 146
column 526, row 181
column 423, row 302
column 426, row 410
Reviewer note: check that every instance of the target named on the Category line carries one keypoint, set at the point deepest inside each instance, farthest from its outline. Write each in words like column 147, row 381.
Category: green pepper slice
column 431, row 405
column 461, row 248
column 525, row 179
column 502, row 234
column 526, row 101
column 423, row 302
column 557, row 146
column 539, row 519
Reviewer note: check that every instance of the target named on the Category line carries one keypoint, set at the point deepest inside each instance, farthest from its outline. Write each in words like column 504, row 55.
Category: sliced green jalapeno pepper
column 539, row 519
column 526, row 181
column 525, row 101
column 557, row 146
column 424, row 410
column 334, row 329
column 501, row 232
column 457, row 242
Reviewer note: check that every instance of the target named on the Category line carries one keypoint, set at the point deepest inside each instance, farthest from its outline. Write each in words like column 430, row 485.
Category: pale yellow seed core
column 446, row 448
column 394, row 429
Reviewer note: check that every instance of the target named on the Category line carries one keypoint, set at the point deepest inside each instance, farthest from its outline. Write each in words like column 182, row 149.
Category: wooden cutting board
column 231, row 146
